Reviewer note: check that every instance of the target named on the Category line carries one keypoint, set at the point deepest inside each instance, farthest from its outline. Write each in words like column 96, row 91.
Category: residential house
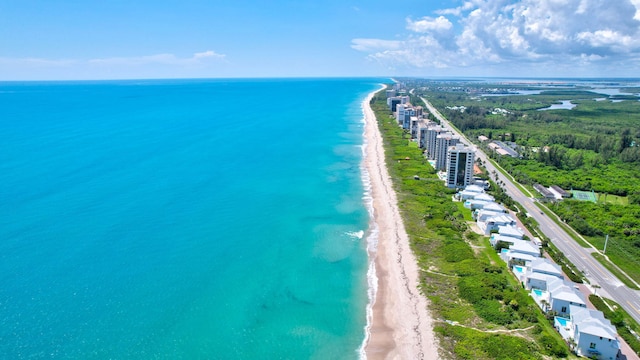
column 477, row 204
column 518, row 248
column 510, row 231
column 562, row 295
column 539, row 273
column 488, row 224
column 590, row 334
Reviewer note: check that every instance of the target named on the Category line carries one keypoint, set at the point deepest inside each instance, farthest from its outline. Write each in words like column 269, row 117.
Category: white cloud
column 427, row 24
column 209, row 54
column 166, row 59
column 38, row 62
column 368, row 45
column 566, row 33
column 636, row 3
column 457, row 11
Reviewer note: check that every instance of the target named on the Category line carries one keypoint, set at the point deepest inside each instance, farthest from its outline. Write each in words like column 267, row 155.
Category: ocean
column 183, row 219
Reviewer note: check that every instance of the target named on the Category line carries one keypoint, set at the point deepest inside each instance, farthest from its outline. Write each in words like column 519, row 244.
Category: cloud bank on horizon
column 71, row 40
column 166, row 59
column 559, row 37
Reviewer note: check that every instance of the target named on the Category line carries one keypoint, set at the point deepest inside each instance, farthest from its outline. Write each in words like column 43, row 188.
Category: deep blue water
column 212, row 219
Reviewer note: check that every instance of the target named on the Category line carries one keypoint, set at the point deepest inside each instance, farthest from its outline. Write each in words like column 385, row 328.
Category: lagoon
column 564, row 105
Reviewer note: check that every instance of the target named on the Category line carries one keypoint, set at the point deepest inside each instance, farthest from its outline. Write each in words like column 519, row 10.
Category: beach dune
column 401, row 327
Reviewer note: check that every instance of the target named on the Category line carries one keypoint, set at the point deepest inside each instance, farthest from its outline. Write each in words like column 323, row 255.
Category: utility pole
column 606, row 239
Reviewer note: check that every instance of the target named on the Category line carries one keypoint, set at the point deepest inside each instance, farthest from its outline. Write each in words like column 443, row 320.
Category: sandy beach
column 401, row 327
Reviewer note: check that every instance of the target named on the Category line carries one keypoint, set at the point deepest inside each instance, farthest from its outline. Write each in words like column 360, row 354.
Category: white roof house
column 476, row 204
column 562, row 295
column 494, row 222
column 497, row 238
column 534, row 280
column 525, row 247
column 592, row 334
column 545, row 266
column 484, row 197
column 483, row 215
column 540, row 272
column 492, row 206
column 520, row 252
column 471, row 192
column 510, row 231
column 474, row 188
column 513, row 256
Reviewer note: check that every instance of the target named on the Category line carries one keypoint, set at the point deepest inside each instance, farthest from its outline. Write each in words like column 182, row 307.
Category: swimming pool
column 562, row 321
column 538, row 292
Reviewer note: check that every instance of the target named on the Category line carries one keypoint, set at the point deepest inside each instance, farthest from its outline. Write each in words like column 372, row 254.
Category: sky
column 138, row 39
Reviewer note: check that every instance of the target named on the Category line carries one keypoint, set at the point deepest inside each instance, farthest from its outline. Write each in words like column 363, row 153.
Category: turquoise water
column 537, row 292
column 519, row 269
column 562, row 321
column 218, row 219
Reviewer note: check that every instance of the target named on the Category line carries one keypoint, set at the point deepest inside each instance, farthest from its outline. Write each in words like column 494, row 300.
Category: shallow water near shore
column 183, row 219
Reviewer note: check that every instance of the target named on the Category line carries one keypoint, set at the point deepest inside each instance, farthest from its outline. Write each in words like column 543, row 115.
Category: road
column 595, row 272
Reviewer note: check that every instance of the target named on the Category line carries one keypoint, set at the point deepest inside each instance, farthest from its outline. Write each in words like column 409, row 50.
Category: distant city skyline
column 71, row 40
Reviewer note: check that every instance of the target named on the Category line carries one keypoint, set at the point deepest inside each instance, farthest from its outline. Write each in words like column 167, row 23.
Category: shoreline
column 398, row 323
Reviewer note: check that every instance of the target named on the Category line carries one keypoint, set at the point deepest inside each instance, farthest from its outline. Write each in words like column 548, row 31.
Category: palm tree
column 545, row 305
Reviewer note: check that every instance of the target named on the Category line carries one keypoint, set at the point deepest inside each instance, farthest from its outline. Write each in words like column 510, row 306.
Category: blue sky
column 116, row 39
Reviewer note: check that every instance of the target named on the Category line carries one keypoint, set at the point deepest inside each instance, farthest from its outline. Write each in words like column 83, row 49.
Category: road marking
column 634, row 308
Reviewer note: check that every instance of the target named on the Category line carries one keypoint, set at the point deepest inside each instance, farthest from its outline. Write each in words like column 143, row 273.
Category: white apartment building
column 459, row 166
column 443, row 143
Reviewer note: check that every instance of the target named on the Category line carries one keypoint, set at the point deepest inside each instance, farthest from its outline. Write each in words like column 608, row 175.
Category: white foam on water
column 372, row 247
column 355, row 234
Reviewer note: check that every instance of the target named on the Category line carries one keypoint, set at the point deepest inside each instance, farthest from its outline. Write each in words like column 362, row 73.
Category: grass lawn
column 612, row 199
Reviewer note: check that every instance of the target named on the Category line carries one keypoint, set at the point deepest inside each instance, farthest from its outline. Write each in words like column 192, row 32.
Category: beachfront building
column 404, row 112
column 443, row 142
column 430, row 140
column 400, row 112
column 539, row 272
column 470, row 192
column 494, row 206
column 499, row 240
column 414, row 124
column 393, row 102
column 474, row 205
column 511, row 231
column 484, row 197
column 536, row 281
column 423, row 126
column 489, row 221
column 419, row 111
column 459, row 166
column 507, row 235
column 481, row 182
column 520, row 252
column 590, row 334
column 562, row 295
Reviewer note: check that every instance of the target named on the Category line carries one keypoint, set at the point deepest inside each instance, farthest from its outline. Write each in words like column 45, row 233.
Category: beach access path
column 401, row 326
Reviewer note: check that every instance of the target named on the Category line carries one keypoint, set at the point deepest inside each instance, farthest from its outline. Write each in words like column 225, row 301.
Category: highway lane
column 581, row 257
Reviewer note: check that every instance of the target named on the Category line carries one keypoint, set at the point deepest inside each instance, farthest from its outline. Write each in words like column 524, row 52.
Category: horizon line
column 327, row 77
